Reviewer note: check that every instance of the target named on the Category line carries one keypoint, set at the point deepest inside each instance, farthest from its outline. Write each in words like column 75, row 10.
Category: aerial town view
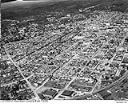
column 64, row 50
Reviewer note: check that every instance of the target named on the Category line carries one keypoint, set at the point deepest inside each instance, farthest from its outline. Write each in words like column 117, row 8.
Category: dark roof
column 67, row 93
column 50, row 92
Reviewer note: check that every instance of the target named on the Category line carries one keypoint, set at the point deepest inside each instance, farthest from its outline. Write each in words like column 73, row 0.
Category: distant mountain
column 3, row 1
column 28, row 8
